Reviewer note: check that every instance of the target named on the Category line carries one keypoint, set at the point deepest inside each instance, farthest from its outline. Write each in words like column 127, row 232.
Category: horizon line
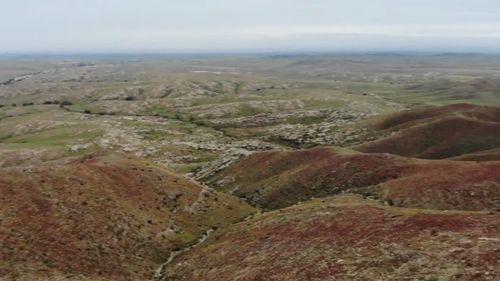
column 253, row 52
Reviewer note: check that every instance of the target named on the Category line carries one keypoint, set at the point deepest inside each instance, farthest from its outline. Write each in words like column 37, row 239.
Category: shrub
column 51, row 102
column 64, row 103
column 432, row 278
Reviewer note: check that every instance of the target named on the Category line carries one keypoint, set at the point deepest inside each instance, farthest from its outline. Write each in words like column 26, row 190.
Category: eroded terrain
column 307, row 167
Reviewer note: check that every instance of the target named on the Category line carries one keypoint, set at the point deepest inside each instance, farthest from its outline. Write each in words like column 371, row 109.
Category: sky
column 232, row 26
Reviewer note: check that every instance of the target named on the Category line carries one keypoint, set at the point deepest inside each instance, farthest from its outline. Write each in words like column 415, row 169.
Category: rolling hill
column 439, row 132
column 347, row 238
column 272, row 180
column 105, row 216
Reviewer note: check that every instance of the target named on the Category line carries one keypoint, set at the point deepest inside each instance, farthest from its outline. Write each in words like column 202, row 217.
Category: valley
column 250, row 167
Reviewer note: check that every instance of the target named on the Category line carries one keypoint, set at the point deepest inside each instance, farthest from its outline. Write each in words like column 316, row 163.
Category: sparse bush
column 201, row 123
column 51, row 102
column 64, row 103
column 28, row 103
column 432, row 278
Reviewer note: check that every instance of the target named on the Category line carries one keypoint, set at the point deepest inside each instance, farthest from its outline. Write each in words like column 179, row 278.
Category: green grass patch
column 244, row 132
column 312, row 104
column 59, row 136
column 246, row 110
column 432, row 278
column 306, row 120
column 471, row 145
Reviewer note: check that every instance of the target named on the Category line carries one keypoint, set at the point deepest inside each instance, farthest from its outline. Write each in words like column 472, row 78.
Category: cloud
column 199, row 36
column 420, row 30
column 83, row 25
column 490, row 30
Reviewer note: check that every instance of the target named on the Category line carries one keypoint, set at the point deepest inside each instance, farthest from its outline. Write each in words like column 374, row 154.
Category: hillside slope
column 485, row 155
column 485, row 90
column 106, row 216
column 439, row 132
column 347, row 238
column 277, row 179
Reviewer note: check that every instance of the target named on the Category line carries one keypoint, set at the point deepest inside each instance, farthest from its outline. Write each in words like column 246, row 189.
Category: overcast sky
column 249, row 25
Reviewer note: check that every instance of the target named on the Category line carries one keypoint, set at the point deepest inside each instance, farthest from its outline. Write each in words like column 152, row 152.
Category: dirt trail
column 158, row 276
column 159, row 273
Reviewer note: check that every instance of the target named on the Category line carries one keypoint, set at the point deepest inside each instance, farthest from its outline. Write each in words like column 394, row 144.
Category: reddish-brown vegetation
column 438, row 132
column 277, row 179
column 347, row 238
column 108, row 217
column 485, row 155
